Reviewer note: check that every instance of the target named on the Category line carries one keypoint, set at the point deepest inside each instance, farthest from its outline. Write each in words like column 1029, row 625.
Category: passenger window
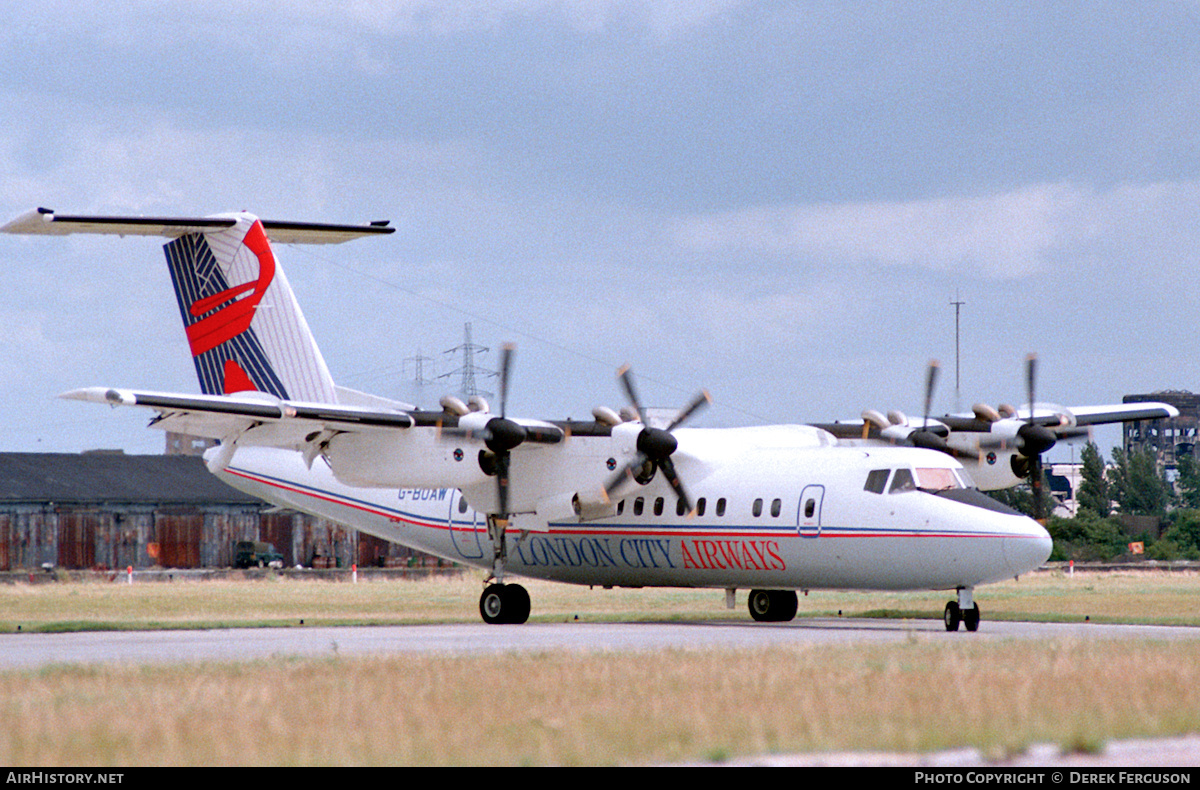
column 903, row 481
column 721, row 506
column 639, row 504
column 877, row 481
column 658, row 506
column 776, row 508
column 679, row 511
column 621, row 507
column 700, row 503
column 757, row 509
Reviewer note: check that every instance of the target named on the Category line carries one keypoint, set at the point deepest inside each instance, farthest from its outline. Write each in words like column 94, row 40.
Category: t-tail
column 244, row 327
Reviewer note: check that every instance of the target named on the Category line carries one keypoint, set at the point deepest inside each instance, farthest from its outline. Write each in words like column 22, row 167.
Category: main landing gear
column 964, row 611
column 773, row 606
column 504, row 604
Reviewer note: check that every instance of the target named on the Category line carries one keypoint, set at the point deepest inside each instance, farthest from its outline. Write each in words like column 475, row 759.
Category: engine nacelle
column 404, row 459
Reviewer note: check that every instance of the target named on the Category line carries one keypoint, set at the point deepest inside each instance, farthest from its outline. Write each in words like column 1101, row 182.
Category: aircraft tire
column 773, row 606
column 970, row 618
column 759, row 604
column 517, row 602
column 788, row 603
column 504, row 604
column 953, row 616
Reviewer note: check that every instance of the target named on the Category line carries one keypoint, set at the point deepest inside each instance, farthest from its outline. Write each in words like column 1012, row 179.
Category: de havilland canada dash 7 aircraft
column 617, row 500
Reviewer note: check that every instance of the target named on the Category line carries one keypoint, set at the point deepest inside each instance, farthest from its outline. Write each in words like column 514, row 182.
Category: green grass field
column 601, row 709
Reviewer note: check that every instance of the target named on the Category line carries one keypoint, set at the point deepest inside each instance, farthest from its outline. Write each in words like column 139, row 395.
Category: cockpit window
column 938, row 479
column 903, row 481
column 877, row 481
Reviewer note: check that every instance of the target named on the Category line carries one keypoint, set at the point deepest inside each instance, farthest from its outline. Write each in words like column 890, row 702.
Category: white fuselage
column 780, row 513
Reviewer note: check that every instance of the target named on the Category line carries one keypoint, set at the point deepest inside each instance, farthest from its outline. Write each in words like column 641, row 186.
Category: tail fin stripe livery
column 249, row 334
column 190, row 259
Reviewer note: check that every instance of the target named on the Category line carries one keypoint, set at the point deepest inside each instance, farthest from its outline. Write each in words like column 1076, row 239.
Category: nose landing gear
column 964, row 611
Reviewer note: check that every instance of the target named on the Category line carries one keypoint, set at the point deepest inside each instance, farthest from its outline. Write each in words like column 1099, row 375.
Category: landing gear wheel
column 760, row 605
column 953, row 616
column 970, row 618
column 504, row 604
column 517, row 603
column 773, row 606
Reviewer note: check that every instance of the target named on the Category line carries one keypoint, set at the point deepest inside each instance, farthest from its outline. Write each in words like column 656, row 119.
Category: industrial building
column 1170, row 438
column 108, row 510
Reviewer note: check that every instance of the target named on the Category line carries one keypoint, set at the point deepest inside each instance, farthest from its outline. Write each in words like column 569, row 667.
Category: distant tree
column 1094, row 495
column 1187, row 485
column 1181, row 538
column 1185, row 529
column 1087, row 537
column 1138, row 487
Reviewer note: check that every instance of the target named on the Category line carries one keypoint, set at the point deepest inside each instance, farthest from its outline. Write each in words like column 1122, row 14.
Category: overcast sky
column 775, row 201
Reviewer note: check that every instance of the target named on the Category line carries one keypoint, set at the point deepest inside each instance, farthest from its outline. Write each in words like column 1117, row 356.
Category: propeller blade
column 506, row 356
column 502, row 460
column 930, row 381
column 701, row 400
column 1030, row 379
column 1035, row 485
column 668, row 470
column 627, row 473
column 626, row 376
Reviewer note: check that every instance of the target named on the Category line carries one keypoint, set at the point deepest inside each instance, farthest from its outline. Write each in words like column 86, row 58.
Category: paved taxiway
column 137, row 647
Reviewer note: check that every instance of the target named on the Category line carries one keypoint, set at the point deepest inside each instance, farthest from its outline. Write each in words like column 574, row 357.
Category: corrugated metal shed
column 112, row 477
column 110, row 510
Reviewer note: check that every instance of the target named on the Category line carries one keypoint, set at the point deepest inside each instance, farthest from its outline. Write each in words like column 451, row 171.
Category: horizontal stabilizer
column 45, row 221
column 218, row 416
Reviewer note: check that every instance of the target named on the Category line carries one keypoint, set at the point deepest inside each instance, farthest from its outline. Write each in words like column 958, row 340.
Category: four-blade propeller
column 655, row 445
column 501, row 436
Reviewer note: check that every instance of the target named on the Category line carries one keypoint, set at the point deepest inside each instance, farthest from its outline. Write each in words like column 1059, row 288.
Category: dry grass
column 1145, row 597
column 566, row 709
column 571, row 709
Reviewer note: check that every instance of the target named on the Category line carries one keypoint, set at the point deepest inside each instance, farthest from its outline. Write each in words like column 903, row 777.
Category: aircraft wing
column 1124, row 412
column 1063, row 420
column 45, row 221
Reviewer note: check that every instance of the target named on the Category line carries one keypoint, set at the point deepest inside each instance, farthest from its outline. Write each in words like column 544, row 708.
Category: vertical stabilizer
column 244, row 327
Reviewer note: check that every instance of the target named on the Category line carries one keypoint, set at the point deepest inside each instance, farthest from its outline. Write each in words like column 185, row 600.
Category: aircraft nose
column 1028, row 547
